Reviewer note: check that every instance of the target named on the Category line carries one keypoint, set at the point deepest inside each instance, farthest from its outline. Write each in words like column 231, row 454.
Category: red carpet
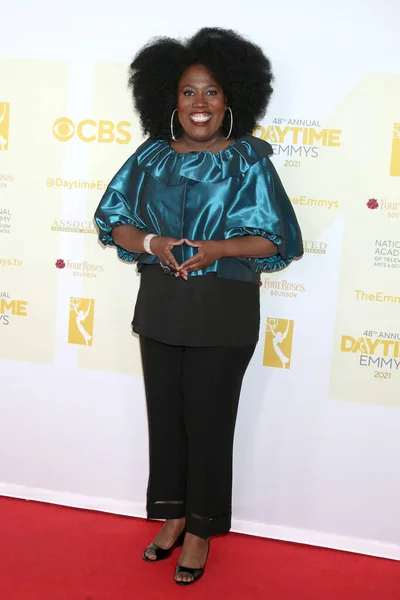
column 54, row 553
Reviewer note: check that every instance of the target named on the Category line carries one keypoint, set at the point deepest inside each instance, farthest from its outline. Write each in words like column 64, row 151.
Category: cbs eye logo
column 104, row 132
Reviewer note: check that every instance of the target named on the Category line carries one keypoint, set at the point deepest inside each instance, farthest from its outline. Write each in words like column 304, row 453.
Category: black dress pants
column 192, row 400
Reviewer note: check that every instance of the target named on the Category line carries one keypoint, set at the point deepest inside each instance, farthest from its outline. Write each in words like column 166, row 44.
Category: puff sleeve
column 262, row 207
column 120, row 205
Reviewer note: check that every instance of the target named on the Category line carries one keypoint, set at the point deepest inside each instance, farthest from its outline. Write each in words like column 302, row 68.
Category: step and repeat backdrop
column 317, row 440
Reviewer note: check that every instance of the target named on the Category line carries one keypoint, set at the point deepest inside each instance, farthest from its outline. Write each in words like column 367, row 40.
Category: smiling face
column 201, row 105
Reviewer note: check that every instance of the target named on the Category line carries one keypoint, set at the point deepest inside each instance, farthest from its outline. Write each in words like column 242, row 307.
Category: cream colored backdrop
column 317, row 444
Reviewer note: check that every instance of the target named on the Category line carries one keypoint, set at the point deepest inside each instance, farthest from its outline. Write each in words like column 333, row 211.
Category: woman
column 201, row 208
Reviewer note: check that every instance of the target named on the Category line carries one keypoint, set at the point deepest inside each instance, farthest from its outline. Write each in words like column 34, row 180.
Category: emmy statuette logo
column 4, row 124
column 278, row 343
column 395, row 156
column 81, row 321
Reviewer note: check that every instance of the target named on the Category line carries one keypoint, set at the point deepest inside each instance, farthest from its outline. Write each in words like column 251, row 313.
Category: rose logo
column 60, row 264
column 372, row 203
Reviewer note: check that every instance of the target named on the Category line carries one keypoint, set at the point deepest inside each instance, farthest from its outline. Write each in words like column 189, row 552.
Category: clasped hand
column 207, row 252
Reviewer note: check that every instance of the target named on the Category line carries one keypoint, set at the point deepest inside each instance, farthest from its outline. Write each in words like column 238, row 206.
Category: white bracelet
column 146, row 242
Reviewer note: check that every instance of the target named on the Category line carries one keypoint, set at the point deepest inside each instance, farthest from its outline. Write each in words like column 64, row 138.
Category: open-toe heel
column 162, row 553
column 195, row 573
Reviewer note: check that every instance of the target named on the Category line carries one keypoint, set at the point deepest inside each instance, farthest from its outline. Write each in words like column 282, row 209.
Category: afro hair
column 239, row 66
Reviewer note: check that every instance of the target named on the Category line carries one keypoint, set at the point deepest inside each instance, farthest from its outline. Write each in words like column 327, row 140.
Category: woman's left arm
column 260, row 225
column 248, row 246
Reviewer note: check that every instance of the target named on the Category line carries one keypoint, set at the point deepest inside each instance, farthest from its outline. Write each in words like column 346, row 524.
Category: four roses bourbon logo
column 372, row 203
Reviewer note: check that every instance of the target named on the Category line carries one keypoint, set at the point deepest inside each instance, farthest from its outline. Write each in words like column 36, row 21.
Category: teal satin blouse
column 203, row 196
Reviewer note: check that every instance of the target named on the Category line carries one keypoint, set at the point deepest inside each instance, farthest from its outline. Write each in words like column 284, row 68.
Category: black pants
column 192, row 400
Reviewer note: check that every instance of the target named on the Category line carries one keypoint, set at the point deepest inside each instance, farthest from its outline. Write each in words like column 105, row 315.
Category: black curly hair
column 239, row 66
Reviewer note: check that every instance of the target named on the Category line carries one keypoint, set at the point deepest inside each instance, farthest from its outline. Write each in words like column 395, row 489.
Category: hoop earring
column 231, row 127
column 172, row 125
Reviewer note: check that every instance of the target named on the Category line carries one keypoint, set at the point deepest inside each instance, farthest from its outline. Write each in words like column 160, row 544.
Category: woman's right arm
column 120, row 223
column 131, row 238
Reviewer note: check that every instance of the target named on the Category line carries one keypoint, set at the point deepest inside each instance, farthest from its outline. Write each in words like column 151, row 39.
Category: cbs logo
column 88, row 130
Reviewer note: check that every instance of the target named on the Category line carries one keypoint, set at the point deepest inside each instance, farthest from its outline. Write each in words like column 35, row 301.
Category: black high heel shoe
column 162, row 553
column 195, row 573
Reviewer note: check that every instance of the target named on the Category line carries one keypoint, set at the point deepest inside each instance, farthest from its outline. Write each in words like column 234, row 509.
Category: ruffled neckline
column 162, row 162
